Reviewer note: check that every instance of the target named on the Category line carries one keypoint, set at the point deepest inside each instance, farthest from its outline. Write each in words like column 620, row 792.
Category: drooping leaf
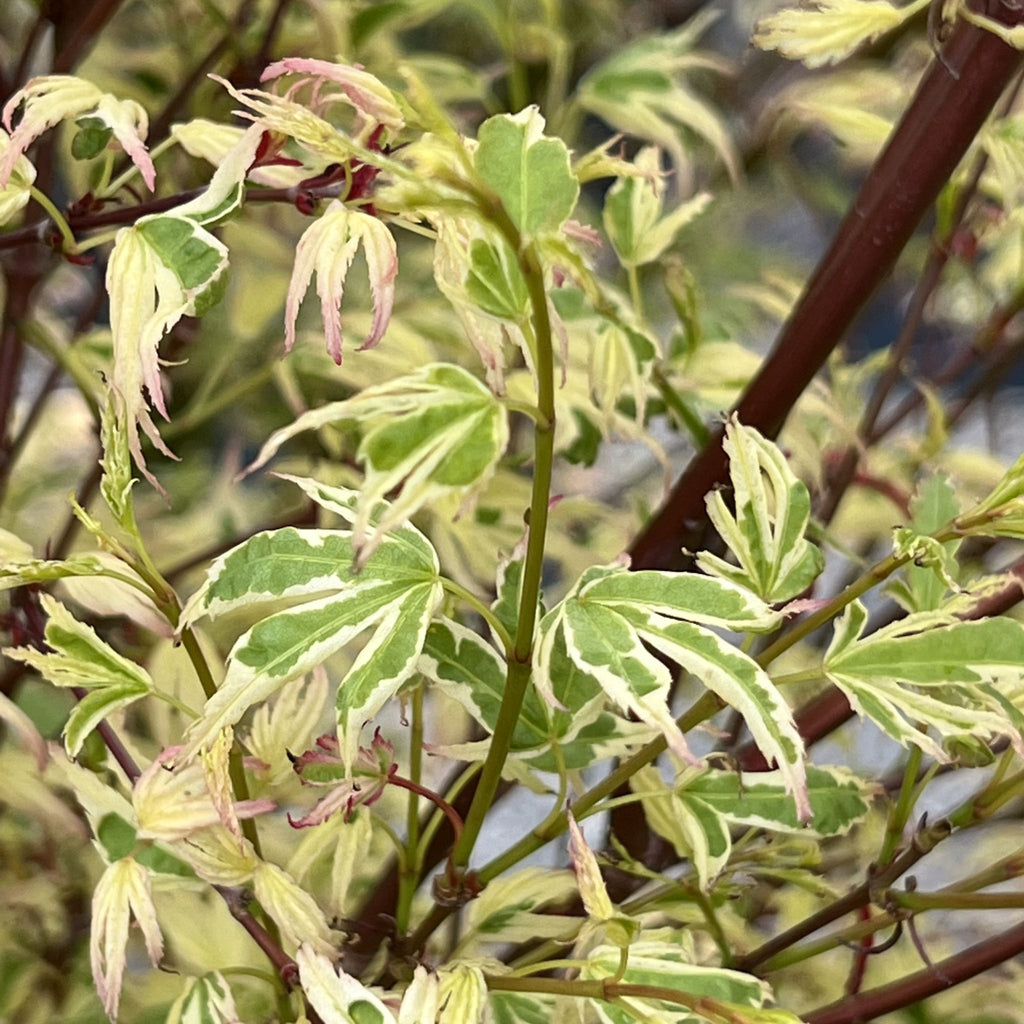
column 16, row 190
column 664, row 965
column 161, row 269
column 529, row 172
column 463, row 994
column 611, row 615
column 296, row 912
column 327, row 248
column 336, row 996
column 434, row 433
column 395, row 594
column 80, row 658
column 507, row 909
column 927, row 669
column 121, row 893
column 767, row 533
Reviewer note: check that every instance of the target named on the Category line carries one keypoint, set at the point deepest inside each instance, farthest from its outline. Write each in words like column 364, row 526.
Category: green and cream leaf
column 830, row 30
column 612, row 616
column 435, row 433
column 767, row 532
column 78, row 657
column 528, row 171
column 931, row 670
column 394, row 595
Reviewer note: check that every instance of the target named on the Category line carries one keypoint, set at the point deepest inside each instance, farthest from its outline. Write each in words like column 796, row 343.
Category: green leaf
column 695, row 830
column 530, row 173
column 929, row 670
column 116, row 836
column 832, row 29
column 435, row 433
column 395, row 595
column 767, row 532
column 18, row 572
column 521, row 1008
column 336, row 996
column 93, row 709
column 193, row 255
column 494, row 281
column 839, row 799
column 585, row 448
column 80, row 658
column 91, row 139
column 612, row 616
column 470, row 671
column 206, row 1000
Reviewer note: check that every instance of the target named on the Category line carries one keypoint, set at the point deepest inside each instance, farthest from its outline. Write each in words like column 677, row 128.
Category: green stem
column 918, row 901
column 59, row 221
column 527, row 409
column 715, row 929
column 131, row 170
column 176, row 704
column 853, row 934
column 900, row 811
column 807, row 675
column 492, row 620
column 438, row 816
column 519, row 664
column 687, row 418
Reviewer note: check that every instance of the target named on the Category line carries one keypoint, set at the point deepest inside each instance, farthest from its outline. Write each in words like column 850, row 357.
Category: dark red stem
column 958, row 91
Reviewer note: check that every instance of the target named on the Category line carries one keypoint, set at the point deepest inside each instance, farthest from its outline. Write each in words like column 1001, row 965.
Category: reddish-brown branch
column 77, row 27
column 958, row 91
column 915, row 987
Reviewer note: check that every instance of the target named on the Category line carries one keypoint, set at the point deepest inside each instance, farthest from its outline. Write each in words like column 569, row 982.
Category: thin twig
column 912, row 989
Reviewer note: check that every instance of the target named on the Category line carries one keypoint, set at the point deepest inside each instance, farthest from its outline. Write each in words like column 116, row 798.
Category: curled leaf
column 327, row 249
column 50, row 99
column 122, row 892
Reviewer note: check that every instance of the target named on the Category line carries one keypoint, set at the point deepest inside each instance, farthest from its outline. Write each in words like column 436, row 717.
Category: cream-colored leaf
column 830, row 30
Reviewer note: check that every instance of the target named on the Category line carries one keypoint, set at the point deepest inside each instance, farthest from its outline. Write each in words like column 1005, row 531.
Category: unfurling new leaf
column 766, row 533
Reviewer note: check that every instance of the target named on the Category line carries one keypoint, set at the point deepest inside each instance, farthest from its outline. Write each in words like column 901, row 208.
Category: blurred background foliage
column 780, row 148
